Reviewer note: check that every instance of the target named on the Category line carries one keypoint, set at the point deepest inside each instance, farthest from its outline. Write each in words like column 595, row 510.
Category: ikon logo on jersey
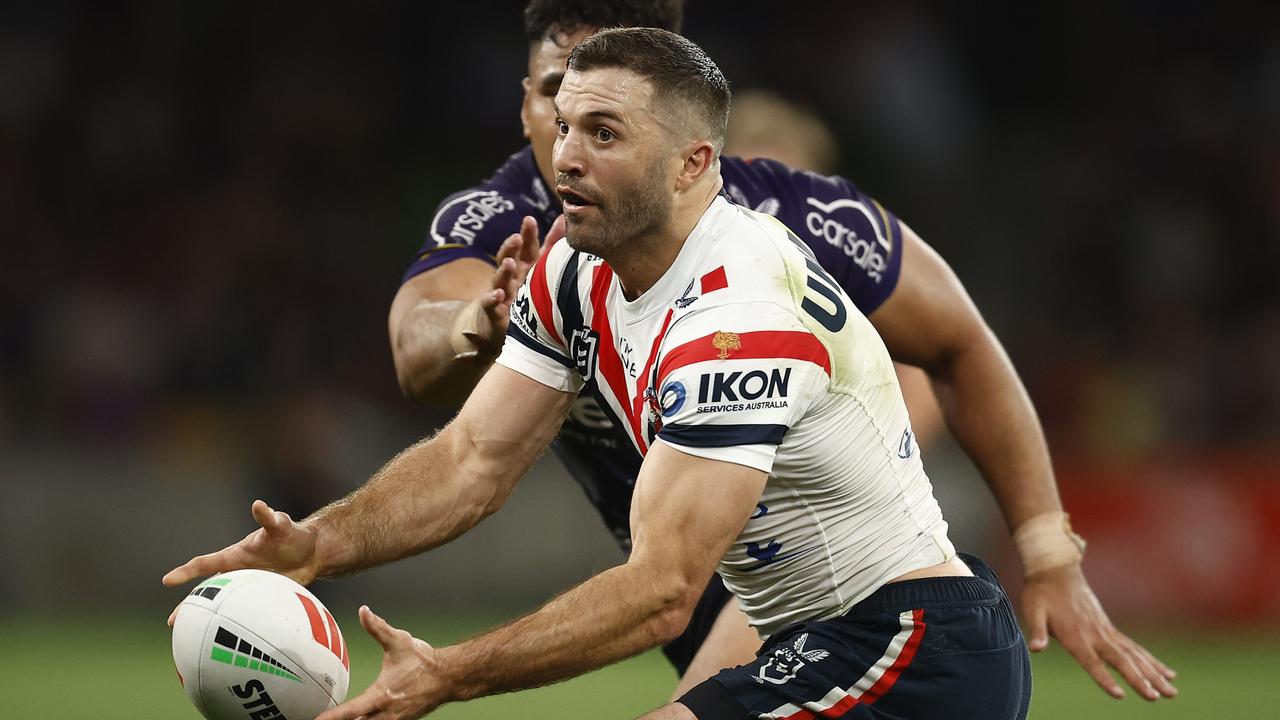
column 735, row 386
column 673, row 395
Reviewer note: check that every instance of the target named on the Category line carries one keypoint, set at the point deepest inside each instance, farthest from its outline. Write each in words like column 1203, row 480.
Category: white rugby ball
column 254, row 645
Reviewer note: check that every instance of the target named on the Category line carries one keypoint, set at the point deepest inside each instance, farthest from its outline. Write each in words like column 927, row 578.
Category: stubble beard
column 626, row 220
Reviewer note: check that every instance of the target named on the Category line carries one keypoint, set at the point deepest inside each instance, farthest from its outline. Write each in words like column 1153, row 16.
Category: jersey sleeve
column 470, row 224
column 855, row 238
column 535, row 345
column 734, row 379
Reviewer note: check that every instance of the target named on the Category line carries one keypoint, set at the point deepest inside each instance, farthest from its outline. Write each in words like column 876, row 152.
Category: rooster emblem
column 726, row 342
column 787, row 661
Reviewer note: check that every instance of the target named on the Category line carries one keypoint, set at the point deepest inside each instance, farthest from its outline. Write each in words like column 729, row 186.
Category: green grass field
column 65, row 669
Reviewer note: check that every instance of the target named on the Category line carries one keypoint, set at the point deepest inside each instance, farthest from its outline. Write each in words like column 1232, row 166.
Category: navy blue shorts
column 931, row 648
column 680, row 651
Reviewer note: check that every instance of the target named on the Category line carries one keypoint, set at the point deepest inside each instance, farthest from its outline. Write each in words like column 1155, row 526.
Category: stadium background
column 207, row 206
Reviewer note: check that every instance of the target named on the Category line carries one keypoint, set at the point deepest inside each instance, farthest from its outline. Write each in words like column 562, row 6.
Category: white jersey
column 745, row 351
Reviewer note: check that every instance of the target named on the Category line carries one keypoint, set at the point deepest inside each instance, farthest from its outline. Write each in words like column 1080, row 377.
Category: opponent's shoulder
column 473, row 223
column 802, row 198
column 485, row 214
column 854, row 237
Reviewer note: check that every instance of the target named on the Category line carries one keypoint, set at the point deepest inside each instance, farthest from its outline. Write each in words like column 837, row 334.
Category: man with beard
column 769, row 420
column 447, row 325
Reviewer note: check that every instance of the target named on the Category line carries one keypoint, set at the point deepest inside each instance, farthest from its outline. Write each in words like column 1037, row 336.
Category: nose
column 567, row 156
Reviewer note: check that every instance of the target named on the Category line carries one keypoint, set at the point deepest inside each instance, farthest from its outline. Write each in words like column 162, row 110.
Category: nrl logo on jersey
column 787, row 661
column 584, row 347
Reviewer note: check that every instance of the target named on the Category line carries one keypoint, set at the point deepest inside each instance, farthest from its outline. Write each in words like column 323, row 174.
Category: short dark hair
column 679, row 70
column 549, row 18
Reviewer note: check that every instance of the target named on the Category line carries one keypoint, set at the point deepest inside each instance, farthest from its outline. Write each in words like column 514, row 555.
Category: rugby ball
column 253, row 645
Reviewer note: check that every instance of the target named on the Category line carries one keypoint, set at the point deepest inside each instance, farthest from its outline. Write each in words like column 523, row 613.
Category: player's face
column 547, row 61
column 614, row 161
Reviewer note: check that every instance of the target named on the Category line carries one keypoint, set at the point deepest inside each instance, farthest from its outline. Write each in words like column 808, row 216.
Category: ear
column 699, row 158
column 524, row 107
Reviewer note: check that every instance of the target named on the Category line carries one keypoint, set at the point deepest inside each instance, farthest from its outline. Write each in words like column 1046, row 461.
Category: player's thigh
column 730, row 642
column 674, row 711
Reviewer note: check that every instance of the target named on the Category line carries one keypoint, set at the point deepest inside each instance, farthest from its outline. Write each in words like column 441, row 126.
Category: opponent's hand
column 515, row 258
column 409, row 685
column 554, row 235
column 1060, row 602
column 280, row 545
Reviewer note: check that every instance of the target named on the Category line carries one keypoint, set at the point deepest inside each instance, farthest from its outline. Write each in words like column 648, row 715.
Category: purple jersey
column 855, row 239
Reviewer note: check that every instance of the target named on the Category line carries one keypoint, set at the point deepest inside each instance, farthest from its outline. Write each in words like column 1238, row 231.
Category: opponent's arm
column 427, row 495
column 420, row 324
column 686, row 512
column 446, row 325
column 930, row 321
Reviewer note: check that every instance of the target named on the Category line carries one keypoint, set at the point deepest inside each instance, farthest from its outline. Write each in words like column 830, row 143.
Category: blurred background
column 207, row 208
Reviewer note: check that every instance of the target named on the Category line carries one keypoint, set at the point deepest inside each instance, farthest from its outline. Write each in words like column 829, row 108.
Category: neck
column 638, row 271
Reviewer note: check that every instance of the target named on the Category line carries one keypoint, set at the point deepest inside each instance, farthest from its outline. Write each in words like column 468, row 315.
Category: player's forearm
column 427, row 365
column 422, row 498
column 988, row 411
column 614, row 615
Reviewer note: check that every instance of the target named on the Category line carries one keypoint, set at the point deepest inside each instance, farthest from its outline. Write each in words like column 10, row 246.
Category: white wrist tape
column 465, row 329
column 1046, row 541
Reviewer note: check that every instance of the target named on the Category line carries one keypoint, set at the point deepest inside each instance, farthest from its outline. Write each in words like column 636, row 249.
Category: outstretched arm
column 686, row 512
column 931, row 322
column 427, row 495
column 447, row 325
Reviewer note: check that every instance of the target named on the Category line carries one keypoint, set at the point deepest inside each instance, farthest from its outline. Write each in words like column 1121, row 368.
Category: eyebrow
column 551, row 80
column 594, row 114
column 604, row 114
column 607, row 115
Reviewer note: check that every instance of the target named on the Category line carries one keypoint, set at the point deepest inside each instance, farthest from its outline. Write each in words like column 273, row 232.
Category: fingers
column 491, row 300
column 1095, row 666
column 506, row 276
column 1061, row 605
column 529, row 240
column 1138, row 668
column 198, row 566
column 510, row 248
column 1127, row 666
column 521, row 246
column 173, row 616
column 387, row 636
column 1167, row 672
column 1156, row 672
column 275, row 523
column 554, row 235
column 1037, row 620
column 371, row 702
column 363, row 705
